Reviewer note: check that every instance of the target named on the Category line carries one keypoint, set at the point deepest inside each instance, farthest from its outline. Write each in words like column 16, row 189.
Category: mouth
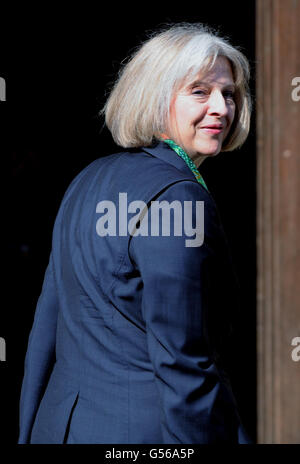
column 213, row 128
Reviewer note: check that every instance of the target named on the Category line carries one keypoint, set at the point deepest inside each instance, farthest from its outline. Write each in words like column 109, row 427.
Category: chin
column 209, row 152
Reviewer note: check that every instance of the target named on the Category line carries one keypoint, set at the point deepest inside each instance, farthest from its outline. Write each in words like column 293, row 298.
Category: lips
column 212, row 128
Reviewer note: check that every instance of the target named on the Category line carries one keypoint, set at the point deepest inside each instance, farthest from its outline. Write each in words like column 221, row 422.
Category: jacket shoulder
column 143, row 162
column 135, row 171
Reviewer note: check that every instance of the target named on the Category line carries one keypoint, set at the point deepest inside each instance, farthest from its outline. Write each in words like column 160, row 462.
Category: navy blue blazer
column 123, row 347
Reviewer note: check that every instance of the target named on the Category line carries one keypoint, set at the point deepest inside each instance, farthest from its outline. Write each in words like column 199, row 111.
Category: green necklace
column 188, row 161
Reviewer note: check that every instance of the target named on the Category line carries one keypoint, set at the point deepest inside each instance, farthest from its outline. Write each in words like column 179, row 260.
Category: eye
column 228, row 94
column 199, row 92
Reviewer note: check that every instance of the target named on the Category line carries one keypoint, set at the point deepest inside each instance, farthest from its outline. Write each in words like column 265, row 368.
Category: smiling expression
column 202, row 113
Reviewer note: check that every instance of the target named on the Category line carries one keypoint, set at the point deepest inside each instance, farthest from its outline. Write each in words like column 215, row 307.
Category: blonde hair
column 137, row 108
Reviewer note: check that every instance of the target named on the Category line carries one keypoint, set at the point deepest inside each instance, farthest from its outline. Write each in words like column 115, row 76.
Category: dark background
column 58, row 66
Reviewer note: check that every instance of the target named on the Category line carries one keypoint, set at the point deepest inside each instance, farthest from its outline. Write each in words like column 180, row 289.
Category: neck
column 199, row 160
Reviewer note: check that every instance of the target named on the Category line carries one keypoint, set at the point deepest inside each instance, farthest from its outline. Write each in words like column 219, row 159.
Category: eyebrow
column 197, row 83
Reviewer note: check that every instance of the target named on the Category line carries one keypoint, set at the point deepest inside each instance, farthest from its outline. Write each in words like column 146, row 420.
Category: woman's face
column 201, row 114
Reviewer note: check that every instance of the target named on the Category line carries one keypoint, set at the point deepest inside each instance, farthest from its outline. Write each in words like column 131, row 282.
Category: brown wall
column 278, row 219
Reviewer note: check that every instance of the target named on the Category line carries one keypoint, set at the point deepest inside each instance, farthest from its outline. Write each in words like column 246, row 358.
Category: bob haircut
column 137, row 109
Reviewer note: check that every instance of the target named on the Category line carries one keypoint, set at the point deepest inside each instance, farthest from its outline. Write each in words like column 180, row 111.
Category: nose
column 217, row 104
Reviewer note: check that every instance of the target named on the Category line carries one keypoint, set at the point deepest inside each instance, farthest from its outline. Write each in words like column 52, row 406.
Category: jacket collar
column 164, row 152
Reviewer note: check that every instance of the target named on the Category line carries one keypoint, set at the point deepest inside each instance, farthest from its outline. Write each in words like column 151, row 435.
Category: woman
column 126, row 341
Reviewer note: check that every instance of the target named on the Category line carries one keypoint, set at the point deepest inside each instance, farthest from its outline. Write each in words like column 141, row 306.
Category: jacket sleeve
column 197, row 404
column 40, row 355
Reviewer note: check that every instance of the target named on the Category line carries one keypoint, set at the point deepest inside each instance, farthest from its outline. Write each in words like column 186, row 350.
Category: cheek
column 184, row 111
column 230, row 120
column 177, row 121
column 232, row 114
column 180, row 113
column 185, row 115
column 197, row 114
